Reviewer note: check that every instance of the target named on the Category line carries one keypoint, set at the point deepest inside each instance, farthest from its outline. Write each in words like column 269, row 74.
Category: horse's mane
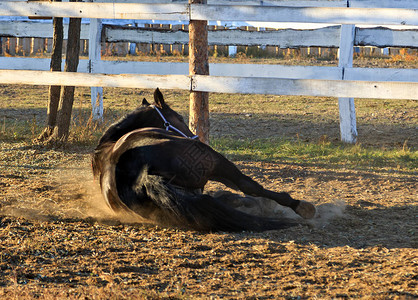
column 133, row 120
column 113, row 133
column 128, row 123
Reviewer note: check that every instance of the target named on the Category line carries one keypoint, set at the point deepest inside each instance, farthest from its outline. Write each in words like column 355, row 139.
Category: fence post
column 348, row 127
column 198, row 64
column 232, row 51
column 94, row 56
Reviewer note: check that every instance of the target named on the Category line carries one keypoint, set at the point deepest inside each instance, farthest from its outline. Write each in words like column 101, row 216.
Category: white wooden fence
column 334, row 28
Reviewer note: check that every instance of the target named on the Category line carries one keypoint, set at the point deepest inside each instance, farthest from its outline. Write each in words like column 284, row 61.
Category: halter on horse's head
column 172, row 121
column 169, row 127
column 157, row 115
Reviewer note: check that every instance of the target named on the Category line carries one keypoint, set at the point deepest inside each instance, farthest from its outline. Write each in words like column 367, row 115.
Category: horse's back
column 184, row 162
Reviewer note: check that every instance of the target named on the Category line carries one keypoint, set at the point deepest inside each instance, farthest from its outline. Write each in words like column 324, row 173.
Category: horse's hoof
column 306, row 210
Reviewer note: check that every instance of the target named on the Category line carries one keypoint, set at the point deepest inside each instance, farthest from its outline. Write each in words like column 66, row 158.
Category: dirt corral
column 58, row 240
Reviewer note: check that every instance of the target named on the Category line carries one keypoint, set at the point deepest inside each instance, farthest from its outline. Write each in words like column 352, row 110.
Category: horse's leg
column 227, row 173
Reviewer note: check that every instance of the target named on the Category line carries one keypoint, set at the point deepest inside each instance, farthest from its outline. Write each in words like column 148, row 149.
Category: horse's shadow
column 389, row 227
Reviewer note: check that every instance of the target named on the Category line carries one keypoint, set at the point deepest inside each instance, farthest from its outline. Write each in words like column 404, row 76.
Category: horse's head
column 169, row 119
column 158, row 115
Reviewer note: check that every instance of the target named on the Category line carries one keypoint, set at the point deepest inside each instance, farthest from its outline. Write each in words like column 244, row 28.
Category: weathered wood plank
column 95, row 34
column 235, row 70
column 96, row 10
column 385, row 37
column 88, row 80
column 35, row 29
column 35, row 64
column 334, row 15
column 260, row 70
column 286, row 38
column 221, row 84
column 243, row 70
column 160, row 68
column 381, row 74
column 114, row 34
column 347, row 110
column 301, row 3
column 316, row 3
column 276, row 71
column 304, row 3
column 411, row 4
column 139, row 67
column 306, row 87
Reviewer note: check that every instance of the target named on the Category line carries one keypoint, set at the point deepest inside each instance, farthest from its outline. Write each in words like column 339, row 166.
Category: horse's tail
column 169, row 205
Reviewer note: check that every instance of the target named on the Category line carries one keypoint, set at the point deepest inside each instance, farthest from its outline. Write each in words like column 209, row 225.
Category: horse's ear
column 159, row 99
column 145, row 102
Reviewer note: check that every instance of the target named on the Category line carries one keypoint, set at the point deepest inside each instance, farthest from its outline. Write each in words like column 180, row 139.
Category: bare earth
column 58, row 240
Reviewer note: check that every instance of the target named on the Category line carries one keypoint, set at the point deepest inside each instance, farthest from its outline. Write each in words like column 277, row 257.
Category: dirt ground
column 58, row 240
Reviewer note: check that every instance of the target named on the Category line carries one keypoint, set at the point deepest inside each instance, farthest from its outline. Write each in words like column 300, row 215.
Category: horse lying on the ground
column 150, row 163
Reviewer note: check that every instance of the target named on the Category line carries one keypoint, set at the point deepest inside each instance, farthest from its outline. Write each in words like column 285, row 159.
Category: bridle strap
column 169, row 127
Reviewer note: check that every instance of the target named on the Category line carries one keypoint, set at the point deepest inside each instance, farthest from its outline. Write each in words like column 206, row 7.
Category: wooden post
column 54, row 90
column 61, row 131
column 94, row 56
column 56, row 61
column 348, row 127
column 198, row 64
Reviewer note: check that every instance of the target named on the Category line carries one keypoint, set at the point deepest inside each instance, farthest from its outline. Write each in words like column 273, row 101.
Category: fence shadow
column 309, row 128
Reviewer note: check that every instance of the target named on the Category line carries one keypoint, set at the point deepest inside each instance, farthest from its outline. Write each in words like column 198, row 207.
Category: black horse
column 150, row 163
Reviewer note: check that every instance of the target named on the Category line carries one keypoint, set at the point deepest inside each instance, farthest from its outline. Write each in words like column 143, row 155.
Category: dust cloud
column 89, row 200
column 325, row 212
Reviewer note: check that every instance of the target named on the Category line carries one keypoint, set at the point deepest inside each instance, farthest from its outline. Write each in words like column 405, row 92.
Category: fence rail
column 220, row 84
column 183, row 12
column 301, row 3
column 21, row 37
column 326, row 37
column 343, row 81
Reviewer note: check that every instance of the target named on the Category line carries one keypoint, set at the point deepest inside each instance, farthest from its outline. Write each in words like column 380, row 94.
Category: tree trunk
column 198, row 64
column 61, row 130
column 54, row 90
